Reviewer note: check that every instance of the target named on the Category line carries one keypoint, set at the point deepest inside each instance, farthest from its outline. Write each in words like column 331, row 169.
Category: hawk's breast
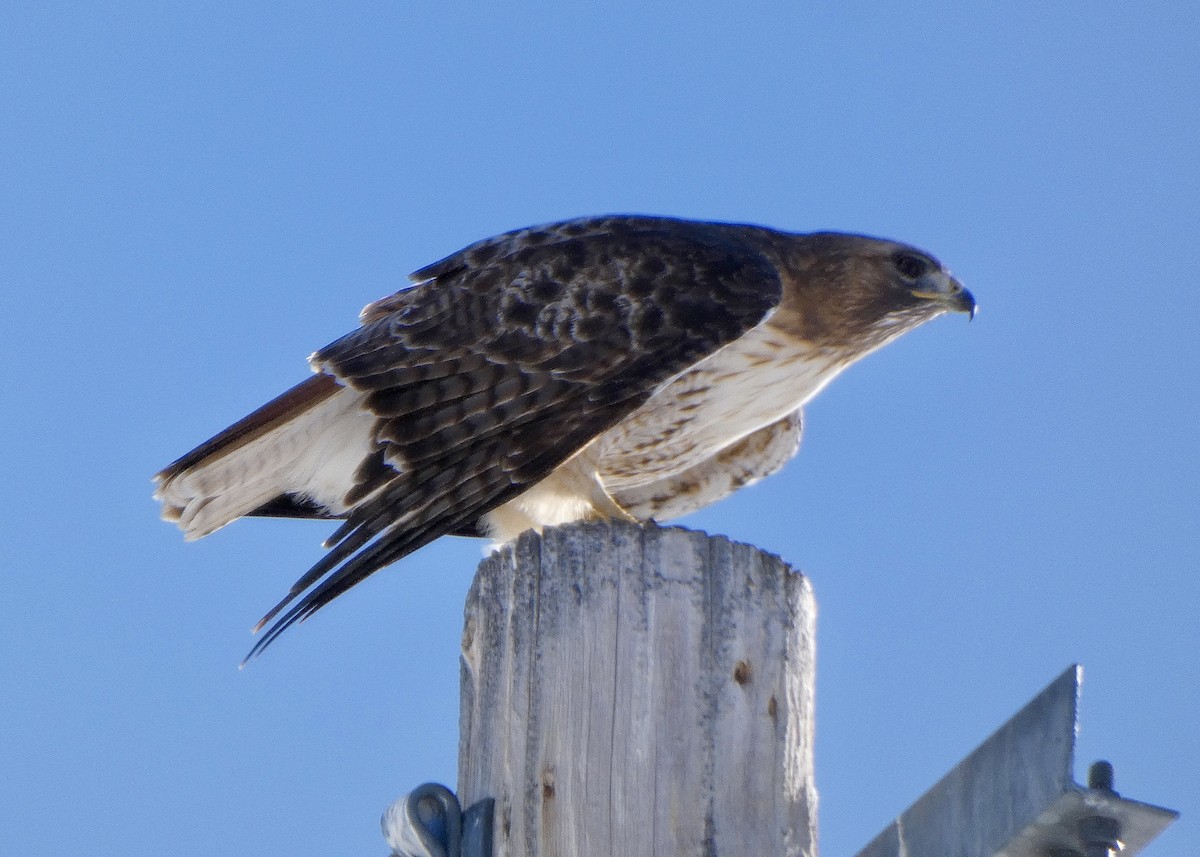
column 745, row 386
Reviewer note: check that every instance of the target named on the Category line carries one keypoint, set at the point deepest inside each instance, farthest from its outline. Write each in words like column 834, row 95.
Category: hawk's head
column 852, row 291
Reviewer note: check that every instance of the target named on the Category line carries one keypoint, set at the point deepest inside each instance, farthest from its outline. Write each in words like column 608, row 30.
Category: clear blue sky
column 193, row 197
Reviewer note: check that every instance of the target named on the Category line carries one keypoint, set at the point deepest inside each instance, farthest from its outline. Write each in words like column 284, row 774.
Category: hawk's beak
column 944, row 289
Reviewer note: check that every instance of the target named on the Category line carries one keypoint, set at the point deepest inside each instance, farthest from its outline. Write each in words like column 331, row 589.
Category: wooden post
column 629, row 691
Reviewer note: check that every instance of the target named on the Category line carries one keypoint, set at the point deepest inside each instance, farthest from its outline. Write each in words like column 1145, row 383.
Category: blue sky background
column 193, row 197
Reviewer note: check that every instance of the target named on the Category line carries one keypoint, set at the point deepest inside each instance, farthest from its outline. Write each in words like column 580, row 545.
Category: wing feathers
column 396, row 542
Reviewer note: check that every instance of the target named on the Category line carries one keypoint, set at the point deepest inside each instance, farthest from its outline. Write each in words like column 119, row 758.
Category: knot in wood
column 742, row 673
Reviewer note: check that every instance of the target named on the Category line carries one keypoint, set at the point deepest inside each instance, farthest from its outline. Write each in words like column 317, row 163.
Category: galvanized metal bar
column 1014, row 796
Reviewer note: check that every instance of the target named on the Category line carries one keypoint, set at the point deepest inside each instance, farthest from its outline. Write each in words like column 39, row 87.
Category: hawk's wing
column 509, row 358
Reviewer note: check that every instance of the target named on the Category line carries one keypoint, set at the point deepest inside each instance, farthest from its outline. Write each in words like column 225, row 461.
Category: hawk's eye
column 910, row 267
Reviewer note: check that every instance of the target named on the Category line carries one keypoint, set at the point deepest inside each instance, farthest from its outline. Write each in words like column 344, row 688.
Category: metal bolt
column 1100, row 776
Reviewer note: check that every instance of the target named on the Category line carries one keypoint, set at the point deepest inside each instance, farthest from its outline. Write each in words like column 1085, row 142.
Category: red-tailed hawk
column 608, row 367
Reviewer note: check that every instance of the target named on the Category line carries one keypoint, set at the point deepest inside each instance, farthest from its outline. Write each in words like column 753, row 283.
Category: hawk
column 608, row 367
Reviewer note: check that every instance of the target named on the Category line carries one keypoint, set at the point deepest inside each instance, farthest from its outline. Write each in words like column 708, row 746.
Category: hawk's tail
column 277, row 457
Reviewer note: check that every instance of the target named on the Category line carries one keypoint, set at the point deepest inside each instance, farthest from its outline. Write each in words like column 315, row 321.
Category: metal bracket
column 1015, row 796
column 428, row 822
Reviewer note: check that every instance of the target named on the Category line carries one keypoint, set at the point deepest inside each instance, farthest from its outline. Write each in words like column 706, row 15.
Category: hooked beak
column 944, row 289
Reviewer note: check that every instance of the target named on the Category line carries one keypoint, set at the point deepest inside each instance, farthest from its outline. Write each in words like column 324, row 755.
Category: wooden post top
column 633, row 690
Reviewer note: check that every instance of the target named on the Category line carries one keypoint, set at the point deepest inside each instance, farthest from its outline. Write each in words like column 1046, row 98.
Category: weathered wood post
column 629, row 691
